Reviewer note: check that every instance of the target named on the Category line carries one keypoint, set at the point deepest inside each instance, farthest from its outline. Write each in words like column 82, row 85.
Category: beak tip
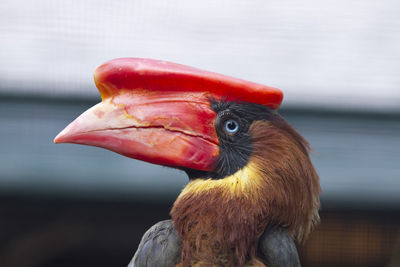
column 58, row 139
column 62, row 137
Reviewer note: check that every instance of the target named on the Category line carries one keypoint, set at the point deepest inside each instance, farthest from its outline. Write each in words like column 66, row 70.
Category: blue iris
column 231, row 126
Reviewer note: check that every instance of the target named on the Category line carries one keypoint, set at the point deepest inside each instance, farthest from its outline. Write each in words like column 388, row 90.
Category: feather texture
column 220, row 221
column 161, row 247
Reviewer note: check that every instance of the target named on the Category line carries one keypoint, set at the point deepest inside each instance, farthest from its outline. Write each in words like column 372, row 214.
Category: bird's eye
column 231, row 126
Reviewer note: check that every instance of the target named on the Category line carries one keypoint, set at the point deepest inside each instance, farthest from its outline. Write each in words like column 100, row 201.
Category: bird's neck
column 220, row 221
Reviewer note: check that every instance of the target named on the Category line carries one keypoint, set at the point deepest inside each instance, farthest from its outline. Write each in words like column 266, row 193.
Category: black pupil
column 231, row 125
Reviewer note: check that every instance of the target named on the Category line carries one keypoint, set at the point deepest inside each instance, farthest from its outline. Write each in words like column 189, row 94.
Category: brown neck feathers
column 220, row 221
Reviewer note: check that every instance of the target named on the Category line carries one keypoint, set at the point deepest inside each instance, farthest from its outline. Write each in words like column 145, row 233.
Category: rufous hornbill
column 249, row 170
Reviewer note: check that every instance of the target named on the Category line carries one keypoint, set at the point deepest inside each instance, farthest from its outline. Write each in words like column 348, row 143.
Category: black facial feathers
column 232, row 127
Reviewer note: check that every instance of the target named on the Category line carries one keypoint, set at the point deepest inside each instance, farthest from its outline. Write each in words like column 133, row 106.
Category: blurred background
column 338, row 63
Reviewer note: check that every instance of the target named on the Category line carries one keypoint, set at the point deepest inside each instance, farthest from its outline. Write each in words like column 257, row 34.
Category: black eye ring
column 231, row 126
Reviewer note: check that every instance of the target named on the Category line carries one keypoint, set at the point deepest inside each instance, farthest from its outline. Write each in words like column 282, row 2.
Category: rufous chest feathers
column 221, row 220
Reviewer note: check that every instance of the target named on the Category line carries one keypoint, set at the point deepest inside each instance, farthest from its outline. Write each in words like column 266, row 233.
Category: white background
column 330, row 54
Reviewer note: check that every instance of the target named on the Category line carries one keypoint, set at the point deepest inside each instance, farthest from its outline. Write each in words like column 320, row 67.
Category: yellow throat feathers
column 245, row 182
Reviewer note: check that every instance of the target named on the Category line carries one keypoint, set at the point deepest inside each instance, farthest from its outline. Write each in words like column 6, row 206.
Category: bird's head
column 210, row 125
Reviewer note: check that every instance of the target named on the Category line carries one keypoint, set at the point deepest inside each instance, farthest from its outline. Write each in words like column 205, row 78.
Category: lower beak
column 166, row 128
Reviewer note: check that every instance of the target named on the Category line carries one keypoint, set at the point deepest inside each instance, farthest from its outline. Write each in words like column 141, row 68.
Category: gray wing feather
column 278, row 249
column 160, row 247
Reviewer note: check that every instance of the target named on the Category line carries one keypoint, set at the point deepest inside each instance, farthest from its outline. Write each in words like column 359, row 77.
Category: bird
column 252, row 185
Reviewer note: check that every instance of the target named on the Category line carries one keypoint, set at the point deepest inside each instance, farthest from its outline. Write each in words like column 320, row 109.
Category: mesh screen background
column 354, row 238
column 330, row 53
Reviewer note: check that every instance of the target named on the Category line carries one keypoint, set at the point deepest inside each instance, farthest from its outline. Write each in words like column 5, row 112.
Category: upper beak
column 161, row 127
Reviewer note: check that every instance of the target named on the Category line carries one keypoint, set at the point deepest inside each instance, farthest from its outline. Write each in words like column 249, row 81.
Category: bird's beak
column 160, row 111
column 162, row 127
